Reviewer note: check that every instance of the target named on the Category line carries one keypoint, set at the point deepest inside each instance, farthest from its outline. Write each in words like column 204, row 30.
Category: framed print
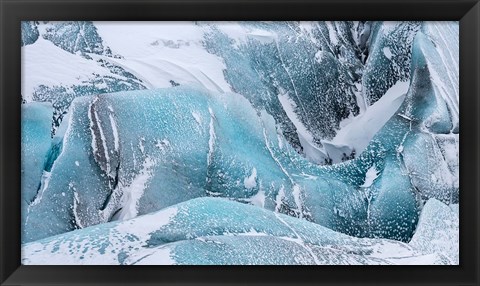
column 240, row 142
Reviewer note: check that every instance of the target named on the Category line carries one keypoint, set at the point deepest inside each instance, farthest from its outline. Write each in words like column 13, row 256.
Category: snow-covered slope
column 219, row 232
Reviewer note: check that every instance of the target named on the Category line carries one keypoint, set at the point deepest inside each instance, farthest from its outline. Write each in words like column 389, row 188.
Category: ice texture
column 431, row 153
column 75, row 37
column 314, row 66
column 220, row 232
column 227, row 150
column 222, row 143
column 36, row 142
column 29, row 33
column 438, row 230
column 389, row 57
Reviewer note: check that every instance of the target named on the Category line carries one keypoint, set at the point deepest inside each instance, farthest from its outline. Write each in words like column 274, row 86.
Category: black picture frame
column 14, row 11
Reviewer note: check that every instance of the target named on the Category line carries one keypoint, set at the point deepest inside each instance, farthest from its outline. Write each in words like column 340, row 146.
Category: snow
column 76, row 200
column 92, row 131
column 235, row 31
column 332, row 33
column 161, row 52
column 43, row 63
column 297, row 239
column 358, row 133
column 157, row 52
column 319, row 56
column 141, row 146
column 115, row 132
column 438, row 231
column 387, row 53
column 297, row 197
column 178, row 234
column 250, row 181
column 262, row 36
column 143, row 226
column 258, row 199
column 197, row 117
column 134, row 191
column 312, row 152
column 370, row 177
column 279, row 198
column 44, row 185
column 157, row 256
column 104, row 249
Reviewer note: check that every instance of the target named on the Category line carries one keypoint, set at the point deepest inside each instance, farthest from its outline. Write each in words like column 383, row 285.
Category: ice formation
column 182, row 143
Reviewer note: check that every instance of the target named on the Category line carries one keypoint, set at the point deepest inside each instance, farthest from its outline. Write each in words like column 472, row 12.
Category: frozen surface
column 218, row 231
column 350, row 129
column 36, row 142
column 438, row 230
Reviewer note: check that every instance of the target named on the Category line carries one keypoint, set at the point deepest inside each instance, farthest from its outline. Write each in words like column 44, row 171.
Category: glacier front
column 221, row 143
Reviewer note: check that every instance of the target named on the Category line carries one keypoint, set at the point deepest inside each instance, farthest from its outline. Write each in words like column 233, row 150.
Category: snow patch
column 387, row 53
column 250, row 181
column 133, row 192
column 332, row 35
column 157, row 256
column 279, row 198
column 158, row 52
column 197, row 117
column 43, row 63
column 357, row 134
column 76, row 201
column 370, row 177
column 114, row 130
column 296, row 192
column 45, row 180
column 258, row 199
column 211, row 139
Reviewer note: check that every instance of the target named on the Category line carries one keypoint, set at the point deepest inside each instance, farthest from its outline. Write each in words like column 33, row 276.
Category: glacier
column 215, row 135
column 215, row 231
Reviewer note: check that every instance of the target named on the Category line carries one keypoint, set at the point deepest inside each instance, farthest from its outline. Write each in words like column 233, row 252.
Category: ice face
column 437, row 230
column 36, row 142
column 389, row 57
column 219, row 231
column 443, row 66
column 432, row 106
column 346, row 127
column 315, row 72
column 75, row 189
column 138, row 152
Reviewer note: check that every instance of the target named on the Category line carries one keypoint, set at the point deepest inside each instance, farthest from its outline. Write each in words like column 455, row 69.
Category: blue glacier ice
column 138, row 152
column 36, row 143
column 219, row 231
column 75, row 37
column 282, row 59
column 431, row 152
column 74, row 177
column 188, row 175
column 389, row 57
